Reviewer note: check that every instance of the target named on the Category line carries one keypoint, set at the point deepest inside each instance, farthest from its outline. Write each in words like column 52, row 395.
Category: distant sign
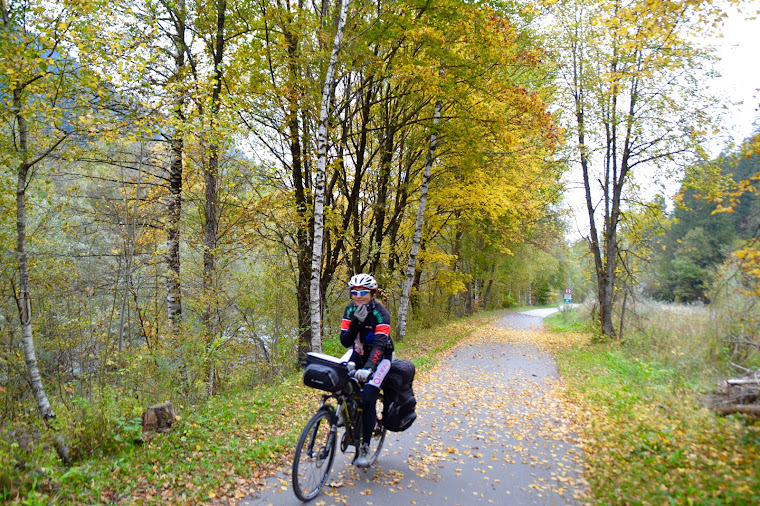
column 568, row 295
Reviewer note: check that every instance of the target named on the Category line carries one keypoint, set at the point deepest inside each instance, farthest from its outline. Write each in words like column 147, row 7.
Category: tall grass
column 692, row 340
column 688, row 338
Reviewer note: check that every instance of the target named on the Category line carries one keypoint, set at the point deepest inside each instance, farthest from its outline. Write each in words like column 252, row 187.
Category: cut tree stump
column 158, row 418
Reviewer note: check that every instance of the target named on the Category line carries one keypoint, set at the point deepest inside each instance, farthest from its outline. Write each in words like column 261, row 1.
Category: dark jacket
column 371, row 339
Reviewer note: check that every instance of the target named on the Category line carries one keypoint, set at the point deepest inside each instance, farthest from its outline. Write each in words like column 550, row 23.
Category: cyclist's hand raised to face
column 361, row 313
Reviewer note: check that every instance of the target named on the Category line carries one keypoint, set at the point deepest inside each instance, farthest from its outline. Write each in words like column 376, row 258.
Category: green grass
column 565, row 321
column 649, row 440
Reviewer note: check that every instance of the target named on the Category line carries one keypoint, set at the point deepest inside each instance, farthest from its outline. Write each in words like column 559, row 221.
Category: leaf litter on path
column 494, row 425
column 514, row 413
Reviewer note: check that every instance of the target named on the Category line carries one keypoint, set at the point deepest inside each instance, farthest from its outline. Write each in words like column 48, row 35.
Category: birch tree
column 178, row 32
column 50, row 99
column 419, row 223
column 319, row 187
column 630, row 77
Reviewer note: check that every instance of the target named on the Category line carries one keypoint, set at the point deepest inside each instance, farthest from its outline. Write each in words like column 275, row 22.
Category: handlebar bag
column 325, row 373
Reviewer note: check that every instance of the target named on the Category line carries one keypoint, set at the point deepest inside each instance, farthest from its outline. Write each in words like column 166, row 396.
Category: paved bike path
column 489, row 431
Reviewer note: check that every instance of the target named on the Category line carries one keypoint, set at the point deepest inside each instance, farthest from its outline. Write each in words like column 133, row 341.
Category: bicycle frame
column 317, row 444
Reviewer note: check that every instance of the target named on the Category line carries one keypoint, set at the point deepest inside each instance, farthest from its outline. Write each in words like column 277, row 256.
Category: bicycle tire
column 376, row 443
column 314, row 455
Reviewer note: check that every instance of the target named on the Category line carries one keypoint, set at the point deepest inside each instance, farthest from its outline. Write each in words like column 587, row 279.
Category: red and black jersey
column 371, row 339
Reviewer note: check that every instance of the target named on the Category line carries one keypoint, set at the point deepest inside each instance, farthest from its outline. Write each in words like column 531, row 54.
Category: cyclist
column 366, row 327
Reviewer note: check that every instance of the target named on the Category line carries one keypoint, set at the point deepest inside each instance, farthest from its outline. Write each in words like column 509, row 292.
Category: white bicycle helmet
column 364, row 280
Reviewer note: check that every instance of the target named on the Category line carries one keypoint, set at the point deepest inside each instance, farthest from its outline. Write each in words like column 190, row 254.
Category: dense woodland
column 163, row 163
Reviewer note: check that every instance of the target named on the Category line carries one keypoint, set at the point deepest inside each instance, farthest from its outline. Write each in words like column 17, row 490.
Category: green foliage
column 566, row 320
column 27, row 466
column 707, row 225
column 86, row 419
column 215, row 449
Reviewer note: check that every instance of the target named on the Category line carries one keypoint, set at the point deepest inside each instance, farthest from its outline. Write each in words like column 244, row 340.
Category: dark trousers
column 370, row 394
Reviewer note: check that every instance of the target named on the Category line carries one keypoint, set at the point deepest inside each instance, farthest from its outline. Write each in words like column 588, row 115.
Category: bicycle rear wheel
column 376, row 443
column 314, row 455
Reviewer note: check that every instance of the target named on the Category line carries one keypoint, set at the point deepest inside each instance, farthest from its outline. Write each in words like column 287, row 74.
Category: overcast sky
column 740, row 71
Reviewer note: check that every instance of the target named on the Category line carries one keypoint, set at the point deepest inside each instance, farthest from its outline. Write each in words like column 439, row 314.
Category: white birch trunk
column 319, row 187
column 24, row 300
column 403, row 305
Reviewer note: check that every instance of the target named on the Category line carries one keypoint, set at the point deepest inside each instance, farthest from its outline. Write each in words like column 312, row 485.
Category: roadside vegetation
column 648, row 438
column 170, row 170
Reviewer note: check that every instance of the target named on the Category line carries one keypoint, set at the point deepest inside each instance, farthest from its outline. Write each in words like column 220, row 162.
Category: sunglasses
column 360, row 293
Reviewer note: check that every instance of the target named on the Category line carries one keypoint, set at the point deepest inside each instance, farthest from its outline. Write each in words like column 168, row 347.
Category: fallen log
column 746, row 409
column 743, row 381
column 737, row 395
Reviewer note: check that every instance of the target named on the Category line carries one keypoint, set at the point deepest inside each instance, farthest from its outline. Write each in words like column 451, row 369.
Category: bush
column 102, row 426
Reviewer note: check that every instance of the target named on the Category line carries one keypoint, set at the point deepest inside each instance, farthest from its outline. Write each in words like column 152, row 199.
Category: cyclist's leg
column 370, row 393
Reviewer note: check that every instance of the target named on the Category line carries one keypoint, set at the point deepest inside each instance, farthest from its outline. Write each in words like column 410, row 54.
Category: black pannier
column 325, row 373
column 399, row 401
column 398, row 412
column 401, row 373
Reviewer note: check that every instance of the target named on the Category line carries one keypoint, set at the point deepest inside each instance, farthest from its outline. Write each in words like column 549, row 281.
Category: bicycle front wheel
column 314, row 455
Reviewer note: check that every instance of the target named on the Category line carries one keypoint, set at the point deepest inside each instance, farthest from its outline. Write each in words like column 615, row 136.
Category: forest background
column 162, row 165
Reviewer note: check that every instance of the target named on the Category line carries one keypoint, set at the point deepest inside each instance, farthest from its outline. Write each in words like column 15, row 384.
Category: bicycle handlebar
column 352, row 375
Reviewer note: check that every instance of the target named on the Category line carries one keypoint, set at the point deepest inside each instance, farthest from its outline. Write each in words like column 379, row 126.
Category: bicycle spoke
column 314, row 455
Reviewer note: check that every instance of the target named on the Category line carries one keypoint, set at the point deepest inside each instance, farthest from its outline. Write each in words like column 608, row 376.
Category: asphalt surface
column 489, row 431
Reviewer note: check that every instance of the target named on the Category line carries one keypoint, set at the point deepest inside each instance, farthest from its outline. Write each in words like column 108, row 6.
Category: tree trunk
column 176, row 166
column 300, row 181
column 211, row 180
column 622, row 315
column 380, row 204
column 174, row 213
column 319, row 187
column 487, row 295
column 23, row 298
column 604, row 281
column 414, row 297
column 417, row 238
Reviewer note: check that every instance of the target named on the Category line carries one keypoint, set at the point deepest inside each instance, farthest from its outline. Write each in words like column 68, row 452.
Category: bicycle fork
column 324, row 451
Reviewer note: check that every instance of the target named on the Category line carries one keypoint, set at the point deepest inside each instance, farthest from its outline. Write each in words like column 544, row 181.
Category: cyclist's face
column 361, row 299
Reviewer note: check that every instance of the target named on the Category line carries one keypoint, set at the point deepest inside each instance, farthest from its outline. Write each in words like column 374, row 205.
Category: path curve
column 490, row 430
